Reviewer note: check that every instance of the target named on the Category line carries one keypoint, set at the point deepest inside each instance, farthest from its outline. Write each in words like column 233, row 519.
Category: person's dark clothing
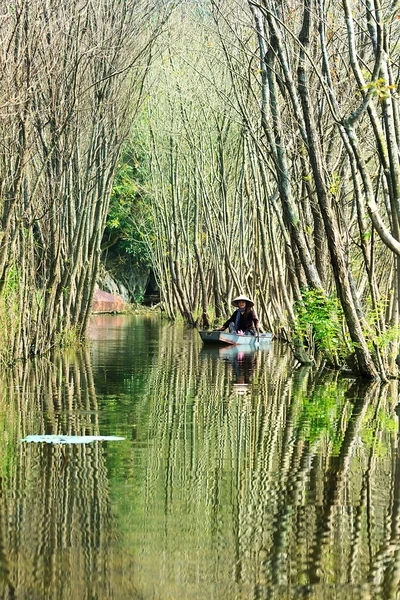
column 246, row 321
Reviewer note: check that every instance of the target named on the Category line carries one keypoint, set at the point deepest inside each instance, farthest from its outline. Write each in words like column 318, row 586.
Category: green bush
column 128, row 217
column 319, row 319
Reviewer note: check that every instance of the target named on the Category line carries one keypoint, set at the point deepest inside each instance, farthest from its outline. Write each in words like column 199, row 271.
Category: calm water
column 240, row 476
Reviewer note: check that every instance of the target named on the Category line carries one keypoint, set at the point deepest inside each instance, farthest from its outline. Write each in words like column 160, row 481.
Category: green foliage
column 128, row 218
column 69, row 338
column 379, row 88
column 12, row 283
column 335, row 184
column 10, row 313
column 139, row 295
column 385, row 337
column 319, row 324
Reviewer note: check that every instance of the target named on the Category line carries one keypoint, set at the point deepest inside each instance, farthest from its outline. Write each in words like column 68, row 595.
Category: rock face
column 105, row 302
column 119, row 277
column 116, row 288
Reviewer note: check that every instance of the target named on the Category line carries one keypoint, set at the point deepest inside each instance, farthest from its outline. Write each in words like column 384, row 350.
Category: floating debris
column 71, row 439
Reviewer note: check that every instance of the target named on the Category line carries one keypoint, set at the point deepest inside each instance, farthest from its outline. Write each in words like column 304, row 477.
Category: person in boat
column 244, row 319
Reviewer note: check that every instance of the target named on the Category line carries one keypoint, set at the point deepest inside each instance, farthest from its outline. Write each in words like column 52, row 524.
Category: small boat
column 234, row 339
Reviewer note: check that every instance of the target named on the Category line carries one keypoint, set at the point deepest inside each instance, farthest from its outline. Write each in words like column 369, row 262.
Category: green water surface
column 241, row 476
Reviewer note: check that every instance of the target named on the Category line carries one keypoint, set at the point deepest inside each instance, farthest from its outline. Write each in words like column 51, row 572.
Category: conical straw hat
column 247, row 300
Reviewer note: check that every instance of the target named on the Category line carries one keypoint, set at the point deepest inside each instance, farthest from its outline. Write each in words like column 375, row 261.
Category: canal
column 239, row 476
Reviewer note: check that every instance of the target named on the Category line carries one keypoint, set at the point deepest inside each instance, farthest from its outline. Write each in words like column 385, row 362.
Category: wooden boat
column 233, row 339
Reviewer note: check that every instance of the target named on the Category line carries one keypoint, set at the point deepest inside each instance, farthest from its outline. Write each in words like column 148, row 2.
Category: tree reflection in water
column 57, row 531
column 288, row 490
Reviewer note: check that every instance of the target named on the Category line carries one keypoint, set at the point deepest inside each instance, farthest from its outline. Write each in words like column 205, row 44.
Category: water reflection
column 243, row 361
column 288, row 490
column 57, row 534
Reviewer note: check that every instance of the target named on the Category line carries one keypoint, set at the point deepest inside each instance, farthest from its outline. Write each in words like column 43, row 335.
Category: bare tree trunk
column 71, row 86
column 339, row 263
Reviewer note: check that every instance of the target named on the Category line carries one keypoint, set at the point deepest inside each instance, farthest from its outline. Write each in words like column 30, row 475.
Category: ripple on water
column 240, row 476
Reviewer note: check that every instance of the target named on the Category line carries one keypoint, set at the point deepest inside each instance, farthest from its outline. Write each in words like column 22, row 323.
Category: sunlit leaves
column 319, row 322
column 379, row 88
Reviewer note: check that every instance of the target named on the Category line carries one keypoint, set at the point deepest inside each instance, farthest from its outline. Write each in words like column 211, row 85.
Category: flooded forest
column 216, row 148
column 230, row 147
